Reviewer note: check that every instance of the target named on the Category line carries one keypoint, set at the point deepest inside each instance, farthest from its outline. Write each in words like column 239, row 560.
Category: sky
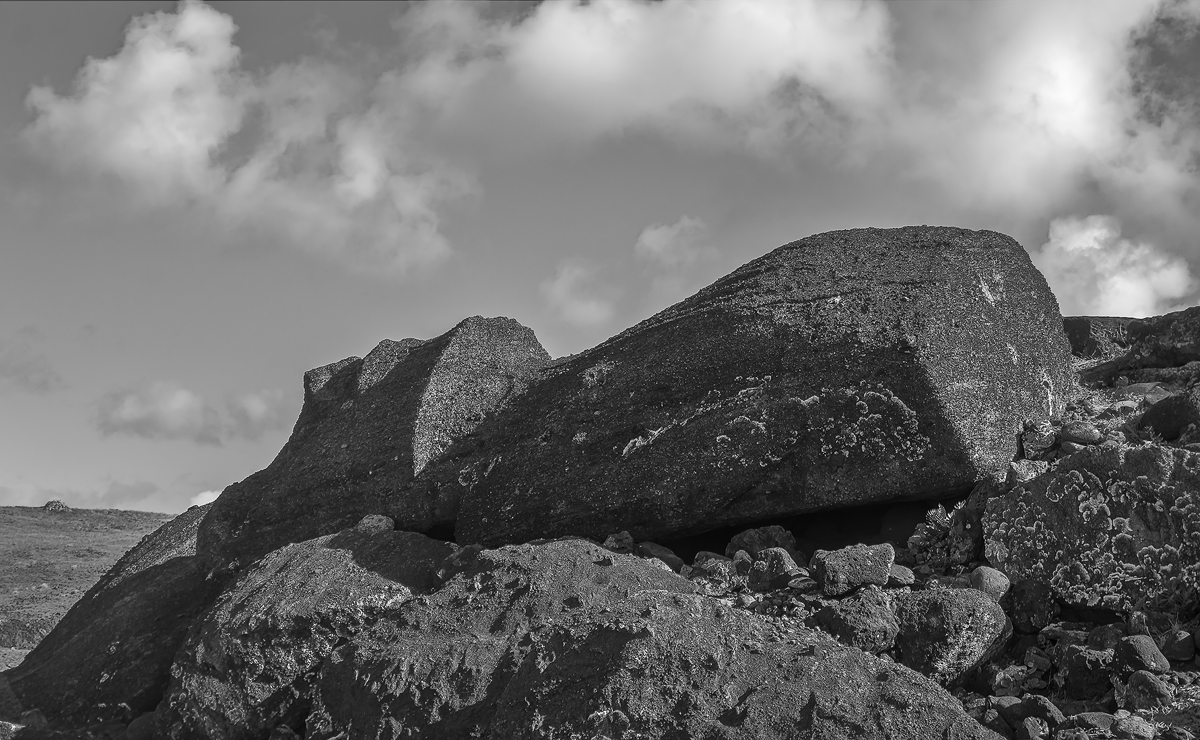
column 199, row 202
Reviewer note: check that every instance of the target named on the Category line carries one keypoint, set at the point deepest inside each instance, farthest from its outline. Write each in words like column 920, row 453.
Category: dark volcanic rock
column 1166, row 341
column 946, row 633
column 1109, row 526
column 864, row 620
column 1097, row 336
column 842, row 571
column 567, row 639
column 109, row 656
column 367, row 427
column 1170, row 417
column 847, row 368
column 249, row 663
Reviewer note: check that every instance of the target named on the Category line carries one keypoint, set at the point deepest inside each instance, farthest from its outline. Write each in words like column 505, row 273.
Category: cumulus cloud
column 575, row 296
column 166, row 410
column 320, row 162
column 204, row 497
column 1094, row 271
column 163, row 410
column 673, row 245
column 250, row 415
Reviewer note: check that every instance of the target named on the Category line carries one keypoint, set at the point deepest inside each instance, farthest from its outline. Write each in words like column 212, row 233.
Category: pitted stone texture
column 109, row 657
column 249, row 663
column 864, row 621
column 841, row 571
column 1145, row 690
column 990, row 581
column 947, row 633
column 567, row 639
column 847, row 368
column 1170, row 340
column 368, row 426
column 1139, row 653
column 1108, row 527
column 1085, row 672
column 1097, row 336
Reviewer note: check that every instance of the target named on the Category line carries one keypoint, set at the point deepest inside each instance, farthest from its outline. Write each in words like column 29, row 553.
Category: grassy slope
column 48, row 560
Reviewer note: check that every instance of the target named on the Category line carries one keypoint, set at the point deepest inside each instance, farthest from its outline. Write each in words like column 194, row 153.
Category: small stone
column 1032, row 728
column 841, row 571
column 778, row 569
column 1133, row 728
column 1146, row 691
column 1070, row 448
column 1023, row 471
column 754, row 541
column 1093, row 721
column 900, row 575
column 1178, row 645
column 1139, row 653
column 1085, row 672
column 621, row 542
column 705, row 555
column 742, row 562
column 1081, row 432
column 990, row 581
column 864, row 621
column 1106, row 636
column 375, row 523
column 665, row 554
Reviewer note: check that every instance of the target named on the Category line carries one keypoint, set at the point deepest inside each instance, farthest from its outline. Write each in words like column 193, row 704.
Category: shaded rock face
column 847, row 368
column 1168, row 341
column 368, row 426
column 567, row 639
column 1111, row 526
column 1097, row 336
column 948, row 632
column 248, row 664
column 108, row 658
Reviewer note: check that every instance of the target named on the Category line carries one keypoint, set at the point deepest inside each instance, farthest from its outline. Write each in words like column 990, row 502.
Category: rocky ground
column 866, row 486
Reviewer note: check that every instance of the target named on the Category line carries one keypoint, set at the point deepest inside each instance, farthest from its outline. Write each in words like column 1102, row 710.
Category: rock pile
column 587, row 593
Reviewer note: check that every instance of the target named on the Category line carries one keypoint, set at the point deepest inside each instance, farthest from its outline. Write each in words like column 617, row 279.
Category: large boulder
column 1097, row 336
column 367, row 427
column 1170, row 340
column 847, row 368
column 566, row 639
column 248, row 664
column 109, row 657
column 1111, row 526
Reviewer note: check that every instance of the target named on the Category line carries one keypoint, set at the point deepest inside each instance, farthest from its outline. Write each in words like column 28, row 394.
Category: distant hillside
column 50, row 558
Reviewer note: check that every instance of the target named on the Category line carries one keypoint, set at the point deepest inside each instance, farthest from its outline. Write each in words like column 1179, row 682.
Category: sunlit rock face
column 368, row 426
column 847, row 368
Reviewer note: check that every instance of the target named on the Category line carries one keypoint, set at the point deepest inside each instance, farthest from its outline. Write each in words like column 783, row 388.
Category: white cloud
column 161, row 411
column 575, row 297
column 253, row 414
column 1094, row 271
column 204, row 497
column 303, row 153
column 674, row 245
column 166, row 410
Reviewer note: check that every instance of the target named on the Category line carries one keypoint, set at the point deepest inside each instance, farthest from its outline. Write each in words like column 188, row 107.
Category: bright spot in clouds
column 573, row 295
column 1094, row 271
column 673, row 245
column 204, row 497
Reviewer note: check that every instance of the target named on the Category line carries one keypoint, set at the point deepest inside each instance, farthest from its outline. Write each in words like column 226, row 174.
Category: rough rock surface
column 567, row 639
column 248, row 664
column 841, row 571
column 367, row 427
column 109, row 656
column 1171, row 417
column 948, row 632
column 1097, row 336
column 1110, row 526
column 846, row 368
column 1167, row 341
